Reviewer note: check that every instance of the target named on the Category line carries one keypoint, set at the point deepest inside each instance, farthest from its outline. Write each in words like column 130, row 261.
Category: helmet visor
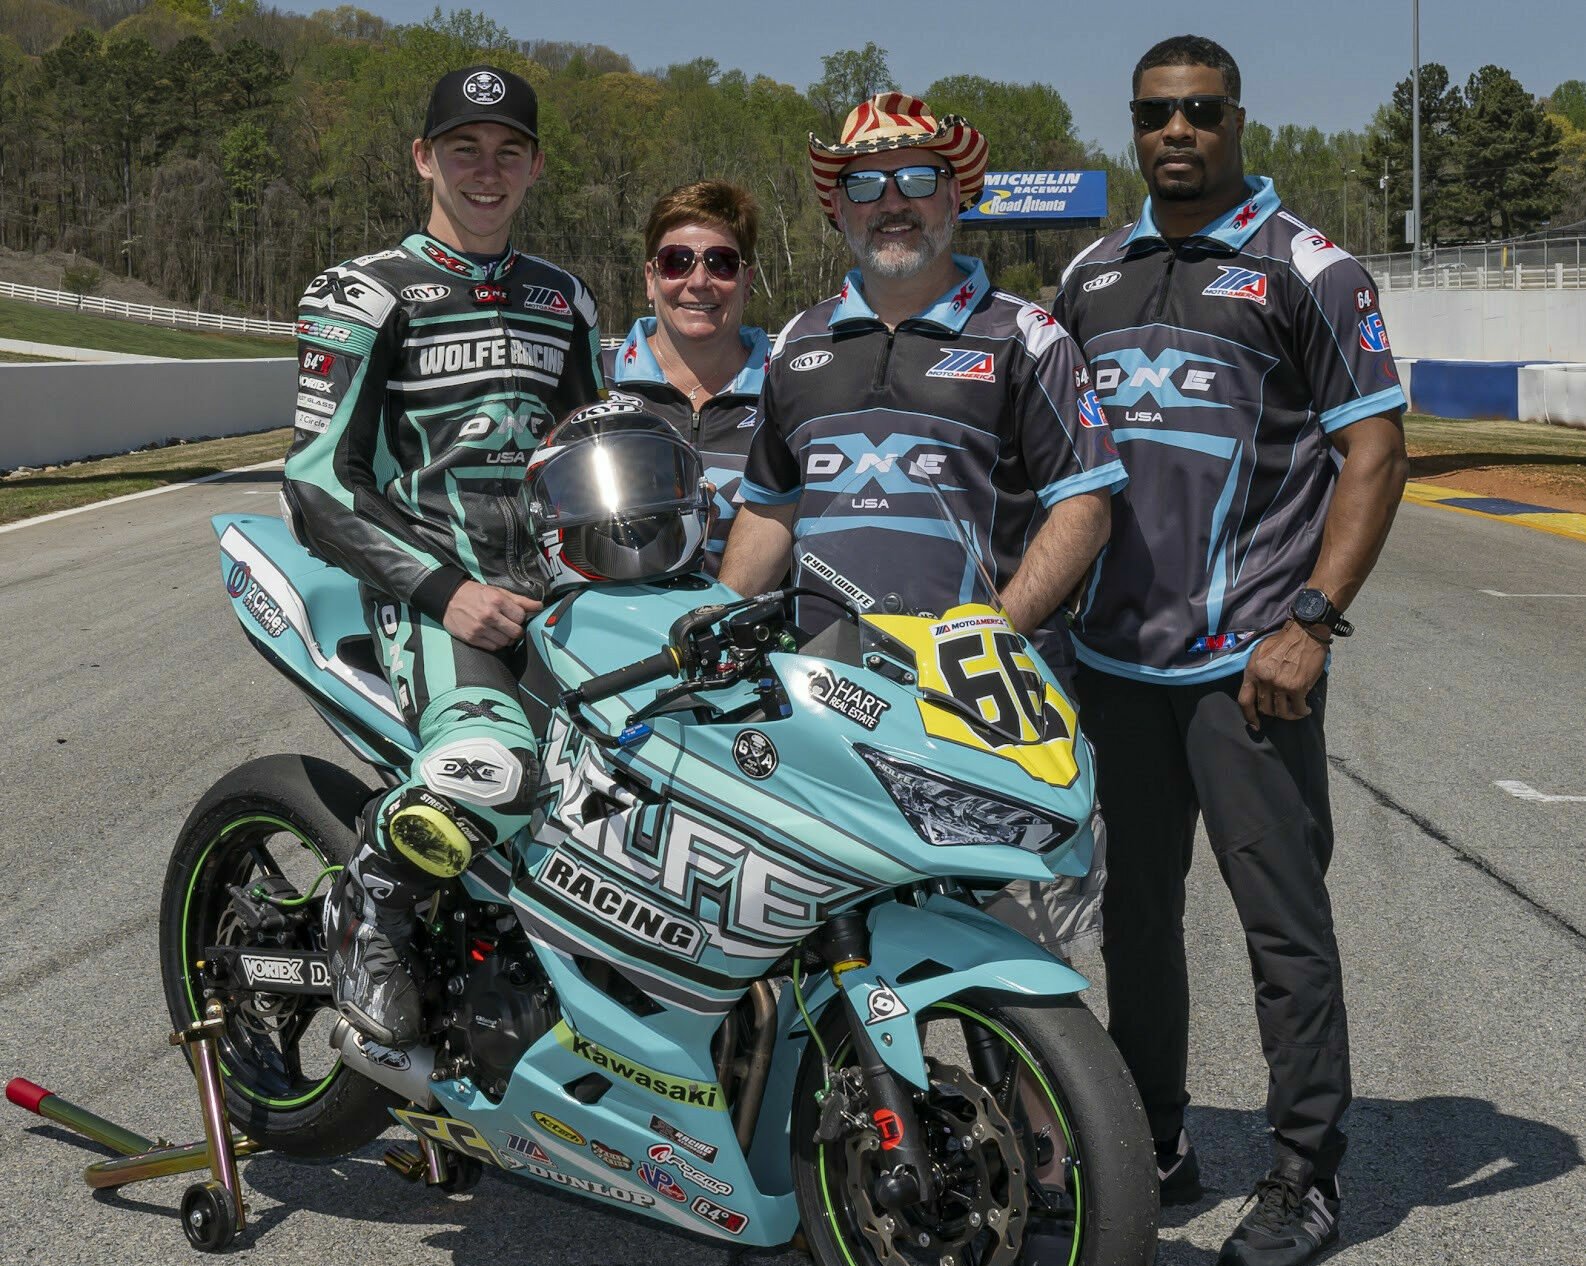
column 620, row 476
column 633, row 548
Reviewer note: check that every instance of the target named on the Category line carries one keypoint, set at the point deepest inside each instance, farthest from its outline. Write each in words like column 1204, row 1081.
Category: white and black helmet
column 616, row 494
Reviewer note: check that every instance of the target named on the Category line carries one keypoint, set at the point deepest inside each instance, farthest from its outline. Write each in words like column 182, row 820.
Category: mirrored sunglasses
column 676, row 261
column 912, row 182
column 1152, row 114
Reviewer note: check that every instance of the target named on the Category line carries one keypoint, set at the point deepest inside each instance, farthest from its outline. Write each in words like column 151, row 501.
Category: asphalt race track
column 126, row 689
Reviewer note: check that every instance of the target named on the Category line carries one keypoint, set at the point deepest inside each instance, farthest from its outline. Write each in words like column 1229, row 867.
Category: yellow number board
column 973, row 656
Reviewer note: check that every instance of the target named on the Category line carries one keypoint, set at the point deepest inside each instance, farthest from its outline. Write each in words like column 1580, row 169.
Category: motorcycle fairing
column 540, row 1112
column 972, row 655
column 962, row 949
column 294, row 607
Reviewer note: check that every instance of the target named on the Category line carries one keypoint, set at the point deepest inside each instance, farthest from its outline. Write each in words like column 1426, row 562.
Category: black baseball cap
column 484, row 94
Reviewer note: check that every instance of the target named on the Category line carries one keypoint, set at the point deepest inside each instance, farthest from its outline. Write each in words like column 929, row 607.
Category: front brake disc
column 982, row 1191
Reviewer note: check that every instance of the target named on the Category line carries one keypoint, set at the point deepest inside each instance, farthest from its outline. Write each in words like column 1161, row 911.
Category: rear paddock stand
column 212, row 1212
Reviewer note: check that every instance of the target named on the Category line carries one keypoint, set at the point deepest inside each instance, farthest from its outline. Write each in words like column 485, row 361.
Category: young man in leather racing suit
column 427, row 374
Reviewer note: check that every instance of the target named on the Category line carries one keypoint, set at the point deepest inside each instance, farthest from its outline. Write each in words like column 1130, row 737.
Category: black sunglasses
column 1152, row 114
column 676, row 261
column 912, row 182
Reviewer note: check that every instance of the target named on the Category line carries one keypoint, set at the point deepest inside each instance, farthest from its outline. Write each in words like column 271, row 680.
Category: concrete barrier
column 57, row 413
column 1487, row 325
column 1553, row 393
column 1406, row 367
column 1468, row 388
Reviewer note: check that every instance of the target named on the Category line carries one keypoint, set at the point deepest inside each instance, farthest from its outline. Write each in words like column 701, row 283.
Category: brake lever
column 693, row 685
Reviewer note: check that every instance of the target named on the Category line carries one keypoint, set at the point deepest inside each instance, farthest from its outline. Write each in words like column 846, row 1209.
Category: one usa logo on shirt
column 1239, row 283
column 965, row 362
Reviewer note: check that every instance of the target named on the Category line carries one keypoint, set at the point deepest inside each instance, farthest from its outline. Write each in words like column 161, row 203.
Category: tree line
column 224, row 151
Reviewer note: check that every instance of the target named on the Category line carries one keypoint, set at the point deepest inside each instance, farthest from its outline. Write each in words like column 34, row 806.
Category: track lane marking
column 1524, row 791
column 1498, row 593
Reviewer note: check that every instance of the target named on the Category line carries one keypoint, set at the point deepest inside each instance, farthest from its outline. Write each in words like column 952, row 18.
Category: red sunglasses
column 676, row 261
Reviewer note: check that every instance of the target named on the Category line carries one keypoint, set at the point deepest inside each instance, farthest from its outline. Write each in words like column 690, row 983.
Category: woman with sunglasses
column 693, row 362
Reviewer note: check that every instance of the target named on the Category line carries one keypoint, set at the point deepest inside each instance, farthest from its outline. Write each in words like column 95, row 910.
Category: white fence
column 149, row 315
column 58, row 413
column 1557, row 263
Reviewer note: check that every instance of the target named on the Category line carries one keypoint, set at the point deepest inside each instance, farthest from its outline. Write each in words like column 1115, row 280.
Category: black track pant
column 1166, row 754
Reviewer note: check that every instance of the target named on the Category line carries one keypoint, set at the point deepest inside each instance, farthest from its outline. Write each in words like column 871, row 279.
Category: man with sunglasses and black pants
column 429, row 372
column 1243, row 362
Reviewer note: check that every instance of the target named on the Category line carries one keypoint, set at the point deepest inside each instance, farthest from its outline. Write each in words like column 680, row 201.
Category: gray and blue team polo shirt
column 982, row 395
column 1224, row 362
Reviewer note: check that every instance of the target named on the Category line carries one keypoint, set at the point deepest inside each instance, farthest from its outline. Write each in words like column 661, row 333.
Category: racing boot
column 369, row 931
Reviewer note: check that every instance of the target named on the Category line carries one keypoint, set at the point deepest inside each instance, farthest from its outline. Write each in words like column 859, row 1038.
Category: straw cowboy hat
column 895, row 120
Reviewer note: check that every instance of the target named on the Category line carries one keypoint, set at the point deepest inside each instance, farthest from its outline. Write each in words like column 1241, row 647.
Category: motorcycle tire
column 294, row 817
column 1074, row 1139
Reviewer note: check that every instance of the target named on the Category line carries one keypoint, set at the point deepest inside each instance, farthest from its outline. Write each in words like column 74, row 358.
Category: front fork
column 844, row 944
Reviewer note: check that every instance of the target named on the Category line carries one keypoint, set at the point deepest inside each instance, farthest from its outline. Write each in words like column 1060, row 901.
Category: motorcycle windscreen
column 913, row 559
column 919, row 595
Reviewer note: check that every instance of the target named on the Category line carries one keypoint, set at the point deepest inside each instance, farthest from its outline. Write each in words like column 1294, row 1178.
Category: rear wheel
column 282, row 826
column 1040, row 1148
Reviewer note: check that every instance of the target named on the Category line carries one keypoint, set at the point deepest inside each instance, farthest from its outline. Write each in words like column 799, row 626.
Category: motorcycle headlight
column 948, row 813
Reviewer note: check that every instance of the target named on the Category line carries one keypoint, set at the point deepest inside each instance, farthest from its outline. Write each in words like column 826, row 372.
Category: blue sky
column 1329, row 64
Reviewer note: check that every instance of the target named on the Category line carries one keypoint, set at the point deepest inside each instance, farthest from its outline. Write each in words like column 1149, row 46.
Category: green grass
column 16, row 358
column 66, row 327
column 1537, row 455
column 1554, row 455
column 24, row 494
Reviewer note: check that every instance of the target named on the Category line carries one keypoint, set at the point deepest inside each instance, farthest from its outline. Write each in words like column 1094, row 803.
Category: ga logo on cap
column 484, row 88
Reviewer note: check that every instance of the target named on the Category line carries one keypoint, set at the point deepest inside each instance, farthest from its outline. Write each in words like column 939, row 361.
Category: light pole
column 1348, row 172
column 1383, row 186
column 1415, row 137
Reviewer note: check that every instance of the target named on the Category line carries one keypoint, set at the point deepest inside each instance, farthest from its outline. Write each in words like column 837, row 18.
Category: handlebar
column 710, row 647
column 664, row 663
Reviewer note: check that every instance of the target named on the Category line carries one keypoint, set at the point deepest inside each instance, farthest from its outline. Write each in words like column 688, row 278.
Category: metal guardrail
column 1533, row 264
column 167, row 316
column 148, row 314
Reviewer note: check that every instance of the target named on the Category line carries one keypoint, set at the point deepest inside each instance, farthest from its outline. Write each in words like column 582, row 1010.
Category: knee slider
column 432, row 833
column 480, row 770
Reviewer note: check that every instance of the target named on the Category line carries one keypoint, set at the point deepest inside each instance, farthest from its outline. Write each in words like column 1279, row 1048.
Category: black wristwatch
column 1312, row 606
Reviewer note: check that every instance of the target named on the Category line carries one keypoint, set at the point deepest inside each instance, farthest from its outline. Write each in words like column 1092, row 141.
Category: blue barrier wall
column 1468, row 388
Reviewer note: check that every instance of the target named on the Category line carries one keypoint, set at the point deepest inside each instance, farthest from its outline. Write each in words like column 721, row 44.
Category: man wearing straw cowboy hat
column 919, row 373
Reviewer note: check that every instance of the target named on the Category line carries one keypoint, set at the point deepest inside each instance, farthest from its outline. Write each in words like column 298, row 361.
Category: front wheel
column 278, row 828
column 1040, row 1147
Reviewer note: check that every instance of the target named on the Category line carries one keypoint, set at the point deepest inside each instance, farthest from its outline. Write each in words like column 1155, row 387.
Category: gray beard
column 894, row 261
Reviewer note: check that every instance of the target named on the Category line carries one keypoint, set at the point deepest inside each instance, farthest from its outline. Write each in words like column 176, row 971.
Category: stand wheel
column 462, row 1174
column 209, row 1219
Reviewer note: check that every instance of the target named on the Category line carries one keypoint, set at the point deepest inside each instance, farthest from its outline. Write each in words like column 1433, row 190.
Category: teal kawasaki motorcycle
column 735, row 977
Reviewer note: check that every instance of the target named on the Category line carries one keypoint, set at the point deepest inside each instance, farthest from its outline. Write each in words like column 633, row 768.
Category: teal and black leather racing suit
column 424, row 382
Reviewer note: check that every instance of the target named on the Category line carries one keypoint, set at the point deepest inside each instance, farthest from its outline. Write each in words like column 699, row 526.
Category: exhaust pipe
column 407, row 1073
